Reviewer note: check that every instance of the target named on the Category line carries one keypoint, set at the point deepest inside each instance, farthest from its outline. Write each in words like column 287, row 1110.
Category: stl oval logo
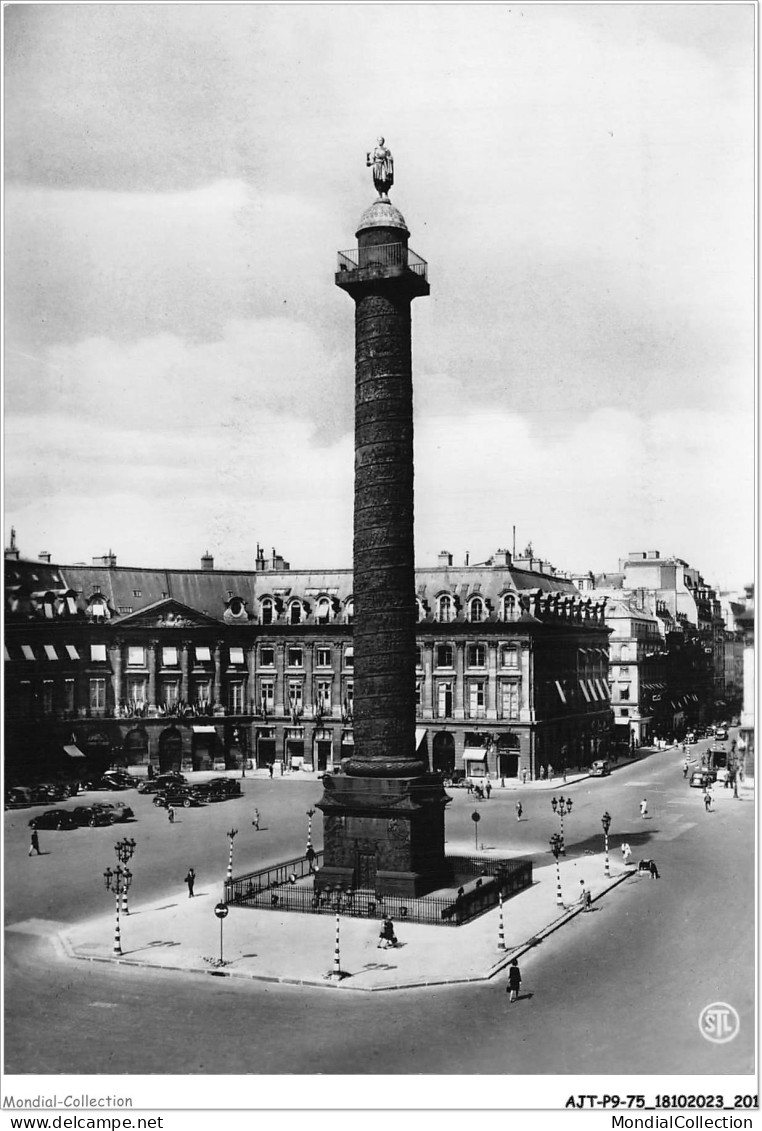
column 719, row 1022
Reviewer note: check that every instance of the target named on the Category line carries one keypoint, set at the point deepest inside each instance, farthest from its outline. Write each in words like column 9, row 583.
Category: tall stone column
column 251, row 691
column 117, row 660
column 308, row 695
column 184, row 681
column 384, row 817
column 491, row 681
column 458, row 709
column 428, row 681
column 152, row 648
column 280, row 690
column 217, row 677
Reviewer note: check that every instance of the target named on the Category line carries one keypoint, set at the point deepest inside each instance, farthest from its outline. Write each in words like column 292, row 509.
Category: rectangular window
column 418, row 687
column 324, row 696
column 510, row 700
column 295, row 657
column 137, row 592
column 477, row 656
column 203, row 692
column 203, row 655
column 69, row 700
column 323, row 657
column 267, row 657
column 124, row 609
column 509, row 658
column 267, row 694
column 444, row 700
column 476, row 701
column 295, row 693
column 444, row 656
column 170, row 692
column 136, row 690
column 72, row 652
column 235, row 698
column 97, row 695
column 624, row 691
column 236, row 655
column 47, row 697
column 169, row 657
column 349, row 657
column 98, row 653
column 25, row 699
column 50, row 651
column 624, row 712
column 28, row 652
column 136, row 657
column 419, row 657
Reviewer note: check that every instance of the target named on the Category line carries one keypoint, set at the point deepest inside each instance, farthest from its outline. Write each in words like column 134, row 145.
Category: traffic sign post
column 221, row 911
column 476, row 817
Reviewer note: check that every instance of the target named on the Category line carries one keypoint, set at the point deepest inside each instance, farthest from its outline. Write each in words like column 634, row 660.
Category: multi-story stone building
column 206, row 668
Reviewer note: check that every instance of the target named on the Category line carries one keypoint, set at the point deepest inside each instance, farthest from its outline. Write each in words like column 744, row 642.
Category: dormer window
column 267, row 610
column 476, row 610
column 295, row 612
column 349, row 612
column 323, row 611
column 420, row 609
column 445, row 608
column 510, row 607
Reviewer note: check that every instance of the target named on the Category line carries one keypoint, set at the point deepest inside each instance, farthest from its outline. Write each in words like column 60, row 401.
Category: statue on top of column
column 383, row 168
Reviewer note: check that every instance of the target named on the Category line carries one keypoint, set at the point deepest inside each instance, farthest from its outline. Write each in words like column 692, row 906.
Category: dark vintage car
column 105, row 782
column 172, row 778
column 218, row 789
column 48, row 792
column 53, row 819
column 18, row 797
column 700, row 779
column 121, row 779
column 179, row 797
column 116, row 809
column 149, row 785
column 92, row 815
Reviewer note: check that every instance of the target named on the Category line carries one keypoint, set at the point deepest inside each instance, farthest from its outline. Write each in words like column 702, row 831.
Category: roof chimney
column 44, row 556
column 108, row 560
column 259, row 561
column 12, row 551
column 444, row 559
column 207, row 561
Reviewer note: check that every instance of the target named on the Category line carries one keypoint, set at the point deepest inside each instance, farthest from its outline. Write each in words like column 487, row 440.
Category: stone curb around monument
column 71, row 951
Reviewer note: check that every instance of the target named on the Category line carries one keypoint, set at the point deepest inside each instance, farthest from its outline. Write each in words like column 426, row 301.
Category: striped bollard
column 336, row 956
column 233, row 833
column 500, row 932
column 117, row 928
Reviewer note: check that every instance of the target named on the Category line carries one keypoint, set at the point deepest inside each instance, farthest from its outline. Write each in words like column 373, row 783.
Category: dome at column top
column 382, row 214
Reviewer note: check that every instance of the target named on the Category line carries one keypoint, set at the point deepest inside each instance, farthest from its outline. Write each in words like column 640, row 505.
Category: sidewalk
column 182, row 934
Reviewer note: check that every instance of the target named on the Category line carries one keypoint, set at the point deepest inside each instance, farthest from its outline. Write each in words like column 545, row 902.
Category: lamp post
column 125, row 850
column 310, row 815
column 232, row 834
column 556, row 845
column 562, row 805
column 606, row 822
column 117, row 881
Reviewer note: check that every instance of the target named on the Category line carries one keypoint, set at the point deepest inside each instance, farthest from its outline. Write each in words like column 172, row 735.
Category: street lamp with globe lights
column 310, row 815
column 606, row 822
column 556, row 847
column 562, row 805
column 125, row 850
column 117, row 880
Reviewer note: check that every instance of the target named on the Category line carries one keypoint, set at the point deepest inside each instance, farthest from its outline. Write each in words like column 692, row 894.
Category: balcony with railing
column 385, row 260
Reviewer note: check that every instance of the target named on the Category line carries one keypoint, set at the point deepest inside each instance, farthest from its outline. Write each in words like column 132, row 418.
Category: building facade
column 208, row 668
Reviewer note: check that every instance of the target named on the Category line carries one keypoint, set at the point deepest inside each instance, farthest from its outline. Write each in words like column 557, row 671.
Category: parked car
column 171, row 780
column 720, row 734
column 104, row 782
column 93, row 815
column 218, row 789
column 18, row 797
column 181, row 797
column 600, row 768
column 47, row 792
column 118, row 808
column 53, row 819
column 700, row 779
column 122, row 779
column 149, row 785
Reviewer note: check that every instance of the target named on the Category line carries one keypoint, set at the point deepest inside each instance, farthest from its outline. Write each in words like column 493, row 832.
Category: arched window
column 510, row 607
column 295, row 612
column 476, row 610
column 445, row 608
column 349, row 612
column 267, row 610
column 323, row 611
column 420, row 609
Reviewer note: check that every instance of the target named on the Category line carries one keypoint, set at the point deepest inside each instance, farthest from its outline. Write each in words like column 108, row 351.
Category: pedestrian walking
column 626, row 853
column 469, row 786
column 171, row 814
column 542, row 773
column 707, row 800
column 270, row 767
column 387, row 936
column 519, row 810
column 34, row 843
column 488, row 788
column 550, row 771
column 149, row 772
column 190, row 880
column 523, row 777
column 514, row 980
column 644, row 808
column 653, row 869
column 255, row 822
column 585, row 898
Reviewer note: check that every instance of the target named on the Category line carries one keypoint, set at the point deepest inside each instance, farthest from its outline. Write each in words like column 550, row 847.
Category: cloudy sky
column 179, row 363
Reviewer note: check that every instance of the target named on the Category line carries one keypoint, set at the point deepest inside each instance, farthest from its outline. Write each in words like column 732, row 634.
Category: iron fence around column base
column 289, row 887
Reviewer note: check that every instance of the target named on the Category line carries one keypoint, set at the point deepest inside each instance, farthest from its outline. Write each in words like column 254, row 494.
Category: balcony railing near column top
column 382, row 256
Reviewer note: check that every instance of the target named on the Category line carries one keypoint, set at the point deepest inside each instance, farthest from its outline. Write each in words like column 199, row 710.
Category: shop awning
column 50, row 651
column 584, row 690
column 236, row 655
column 561, row 692
column 420, row 734
column 73, row 653
column 474, row 754
column 73, row 751
column 203, row 655
column 204, row 730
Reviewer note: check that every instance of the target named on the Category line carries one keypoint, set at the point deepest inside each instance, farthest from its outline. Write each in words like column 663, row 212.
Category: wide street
column 617, row 991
